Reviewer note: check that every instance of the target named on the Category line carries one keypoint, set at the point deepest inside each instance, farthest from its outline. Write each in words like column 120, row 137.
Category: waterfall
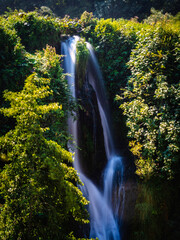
column 106, row 206
column 68, row 50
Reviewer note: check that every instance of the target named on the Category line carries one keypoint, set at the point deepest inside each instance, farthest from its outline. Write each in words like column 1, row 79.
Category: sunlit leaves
column 37, row 185
column 152, row 102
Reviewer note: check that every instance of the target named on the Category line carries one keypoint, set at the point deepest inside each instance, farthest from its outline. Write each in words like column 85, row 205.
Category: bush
column 38, row 187
column 151, row 99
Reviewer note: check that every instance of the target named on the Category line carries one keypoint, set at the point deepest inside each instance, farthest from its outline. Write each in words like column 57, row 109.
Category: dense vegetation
column 100, row 8
column 142, row 59
column 140, row 64
column 38, row 193
column 37, row 185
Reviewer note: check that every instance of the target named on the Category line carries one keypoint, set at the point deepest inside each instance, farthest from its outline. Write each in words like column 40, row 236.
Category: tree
column 38, row 184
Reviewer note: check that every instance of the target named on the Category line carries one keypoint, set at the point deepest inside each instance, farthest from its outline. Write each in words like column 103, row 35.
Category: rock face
column 93, row 155
column 90, row 132
column 130, row 195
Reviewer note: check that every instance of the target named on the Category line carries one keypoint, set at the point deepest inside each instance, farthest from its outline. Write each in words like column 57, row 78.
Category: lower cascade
column 107, row 198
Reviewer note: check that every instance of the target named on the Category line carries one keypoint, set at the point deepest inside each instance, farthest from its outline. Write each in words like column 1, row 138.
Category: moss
column 82, row 55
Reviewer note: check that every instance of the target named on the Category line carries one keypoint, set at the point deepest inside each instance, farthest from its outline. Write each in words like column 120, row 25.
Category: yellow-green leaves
column 151, row 102
column 38, row 185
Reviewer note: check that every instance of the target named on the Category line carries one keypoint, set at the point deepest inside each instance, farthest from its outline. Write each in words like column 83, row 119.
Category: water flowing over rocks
column 102, row 169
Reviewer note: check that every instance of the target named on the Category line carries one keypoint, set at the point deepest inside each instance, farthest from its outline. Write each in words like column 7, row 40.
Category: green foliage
column 151, row 102
column 46, row 11
column 101, row 8
column 34, row 30
column 87, row 22
column 113, row 41
column 38, row 193
column 82, row 54
column 157, row 16
column 47, row 64
column 38, row 185
column 13, row 66
column 86, row 18
column 44, row 199
column 152, row 210
column 12, row 61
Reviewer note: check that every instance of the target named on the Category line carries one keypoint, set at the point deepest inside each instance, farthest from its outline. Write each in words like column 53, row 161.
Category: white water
column 68, row 50
column 105, row 214
column 113, row 174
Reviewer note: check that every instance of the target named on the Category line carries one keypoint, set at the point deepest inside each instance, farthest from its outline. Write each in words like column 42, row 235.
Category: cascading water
column 113, row 174
column 104, row 208
column 68, row 49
